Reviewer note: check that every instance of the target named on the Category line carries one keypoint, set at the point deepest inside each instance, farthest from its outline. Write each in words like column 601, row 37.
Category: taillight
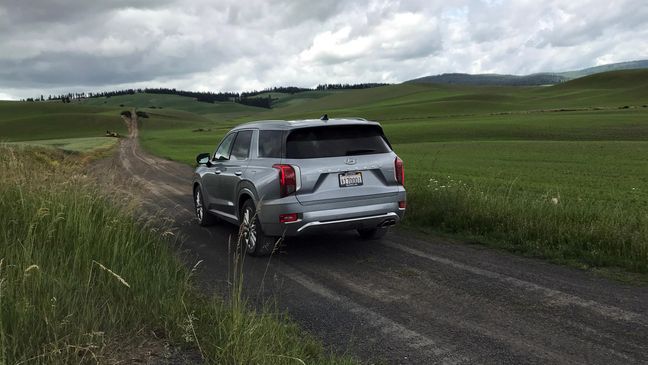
column 400, row 171
column 287, row 179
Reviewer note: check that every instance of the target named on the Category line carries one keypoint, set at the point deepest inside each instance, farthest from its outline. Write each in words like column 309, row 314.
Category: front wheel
column 252, row 236
column 373, row 233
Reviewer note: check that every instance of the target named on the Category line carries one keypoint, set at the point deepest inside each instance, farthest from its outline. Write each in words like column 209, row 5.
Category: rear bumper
column 359, row 214
column 382, row 220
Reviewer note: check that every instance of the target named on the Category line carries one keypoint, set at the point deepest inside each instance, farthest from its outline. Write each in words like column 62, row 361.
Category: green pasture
column 72, row 144
column 608, row 172
column 583, row 143
column 25, row 121
column 157, row 101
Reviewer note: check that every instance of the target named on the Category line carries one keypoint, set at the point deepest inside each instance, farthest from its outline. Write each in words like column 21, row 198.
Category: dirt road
column 407, row 300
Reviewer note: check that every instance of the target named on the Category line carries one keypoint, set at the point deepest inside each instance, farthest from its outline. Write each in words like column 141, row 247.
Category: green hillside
column 481, row 161
column 625, row 79
column 592, row 108
column 640, row 64
column 80, row 144
column 403, row 101
column 20, row 121
column 145, row 100
column 537, row 79
column 286, row 99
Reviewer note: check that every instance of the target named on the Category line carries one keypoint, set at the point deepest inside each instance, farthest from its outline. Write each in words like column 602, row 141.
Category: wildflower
column 554, row 201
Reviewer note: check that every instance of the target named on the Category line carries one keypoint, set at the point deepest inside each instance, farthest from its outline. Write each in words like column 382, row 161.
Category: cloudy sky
column 54, row 46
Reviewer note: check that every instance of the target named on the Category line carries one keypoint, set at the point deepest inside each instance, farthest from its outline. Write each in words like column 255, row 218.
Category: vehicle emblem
column 350, row 161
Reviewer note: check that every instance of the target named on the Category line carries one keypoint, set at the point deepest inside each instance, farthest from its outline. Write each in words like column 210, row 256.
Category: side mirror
column 202, row 159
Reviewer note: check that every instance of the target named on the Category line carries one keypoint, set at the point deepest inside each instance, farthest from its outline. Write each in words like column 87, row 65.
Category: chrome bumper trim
column 314, row 224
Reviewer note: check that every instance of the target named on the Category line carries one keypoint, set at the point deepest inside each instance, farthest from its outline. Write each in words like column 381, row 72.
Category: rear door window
column 241, row 148
column 270, row 143
column 347, row 140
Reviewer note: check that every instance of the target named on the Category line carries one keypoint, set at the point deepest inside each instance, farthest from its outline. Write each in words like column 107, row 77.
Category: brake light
column 400, row 171
column 402, row 204
column 287, row 218
column 287, row 179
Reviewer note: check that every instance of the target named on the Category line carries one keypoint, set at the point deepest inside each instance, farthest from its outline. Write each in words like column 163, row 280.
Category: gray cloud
column 233, row 45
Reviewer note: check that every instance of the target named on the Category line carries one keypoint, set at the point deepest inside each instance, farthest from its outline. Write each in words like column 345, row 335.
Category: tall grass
column 587, row 233
column 83, row 281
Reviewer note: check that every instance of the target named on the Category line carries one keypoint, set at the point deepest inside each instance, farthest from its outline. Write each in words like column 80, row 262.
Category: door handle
column 238, row 173
column 217, row 172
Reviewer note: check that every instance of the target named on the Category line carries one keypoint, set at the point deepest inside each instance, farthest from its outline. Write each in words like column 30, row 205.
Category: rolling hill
column 631, row 65
column 543, row 78
column 26, row 121
column 491, row 79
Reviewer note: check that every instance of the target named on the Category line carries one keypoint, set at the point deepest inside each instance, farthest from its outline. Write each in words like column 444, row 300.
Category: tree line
column 250, row 98
column 349, row 86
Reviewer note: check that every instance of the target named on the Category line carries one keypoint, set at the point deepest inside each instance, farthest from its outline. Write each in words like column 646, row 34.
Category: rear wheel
column 202, row 214
column 255, row 241
column 373, row 233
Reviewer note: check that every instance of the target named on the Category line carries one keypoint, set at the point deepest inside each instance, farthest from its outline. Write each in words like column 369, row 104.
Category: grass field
column 156, row 101
column 82, row 144
column 582, row 143
column 83, row 281
column 22, row 121
column 516, row 151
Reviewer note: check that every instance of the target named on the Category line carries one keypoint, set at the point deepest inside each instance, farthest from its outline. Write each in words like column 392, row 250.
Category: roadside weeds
column 82, row 279
column 585, row 234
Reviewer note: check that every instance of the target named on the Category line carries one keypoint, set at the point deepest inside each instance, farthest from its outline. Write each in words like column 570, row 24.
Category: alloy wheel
column 249, row 229
column 199, row 206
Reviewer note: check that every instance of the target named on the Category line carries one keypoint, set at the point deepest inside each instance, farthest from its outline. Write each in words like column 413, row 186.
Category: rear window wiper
column 359, row 152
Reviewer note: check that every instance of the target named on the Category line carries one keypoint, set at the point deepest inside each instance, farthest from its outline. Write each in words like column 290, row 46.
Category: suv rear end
column 333, row 176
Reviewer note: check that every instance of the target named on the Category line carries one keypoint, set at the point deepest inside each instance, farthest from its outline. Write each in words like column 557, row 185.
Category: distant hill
column 632, row 80
column 543, row 78
column 491, row 79
column 632, row 65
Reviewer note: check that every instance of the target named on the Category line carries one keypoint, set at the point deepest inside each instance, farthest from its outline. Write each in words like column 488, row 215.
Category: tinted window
column 335, row 141
column 241, row 148
column 270, row 143
column 223, row 151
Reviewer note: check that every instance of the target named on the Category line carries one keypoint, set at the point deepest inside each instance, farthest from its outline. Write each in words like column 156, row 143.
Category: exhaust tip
column 387, row 223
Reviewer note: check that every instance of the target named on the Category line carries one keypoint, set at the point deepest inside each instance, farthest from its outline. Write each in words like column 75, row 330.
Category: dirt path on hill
column 406, row 300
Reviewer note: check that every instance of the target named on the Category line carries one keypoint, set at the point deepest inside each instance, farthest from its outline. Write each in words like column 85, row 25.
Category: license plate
column 350, row 179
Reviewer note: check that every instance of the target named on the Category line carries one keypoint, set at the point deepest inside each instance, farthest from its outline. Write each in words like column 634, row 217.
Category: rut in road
column 408, row 300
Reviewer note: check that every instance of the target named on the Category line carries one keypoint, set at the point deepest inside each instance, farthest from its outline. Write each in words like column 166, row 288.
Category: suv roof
column 292, row 124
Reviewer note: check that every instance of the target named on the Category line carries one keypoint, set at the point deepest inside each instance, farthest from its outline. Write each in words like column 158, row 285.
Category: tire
column 255, row 241
column 373, row 233
column 203, row 216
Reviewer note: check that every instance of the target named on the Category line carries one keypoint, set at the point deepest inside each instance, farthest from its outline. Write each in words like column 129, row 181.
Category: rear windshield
column 347, row 140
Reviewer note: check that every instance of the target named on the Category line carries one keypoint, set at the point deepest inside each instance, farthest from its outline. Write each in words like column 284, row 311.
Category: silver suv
column 288, row 178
